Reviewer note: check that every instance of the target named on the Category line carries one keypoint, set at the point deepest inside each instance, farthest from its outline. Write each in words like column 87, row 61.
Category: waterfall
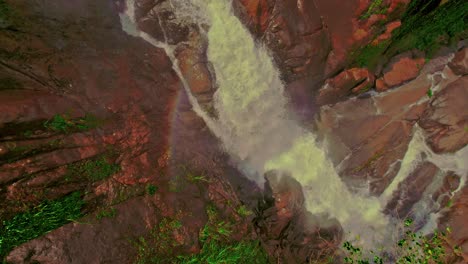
column 255, row 125
column 259, row 131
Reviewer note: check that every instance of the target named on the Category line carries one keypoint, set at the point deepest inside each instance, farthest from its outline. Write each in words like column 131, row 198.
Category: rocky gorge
column 118, row 103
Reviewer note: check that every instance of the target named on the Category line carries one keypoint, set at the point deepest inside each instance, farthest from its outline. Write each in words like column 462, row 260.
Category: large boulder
column 352, row 81
column 291, row 234
column 402, row 70
column 459, row 63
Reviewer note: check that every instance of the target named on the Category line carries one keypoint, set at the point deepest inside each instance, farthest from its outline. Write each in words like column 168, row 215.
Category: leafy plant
column 43, row 218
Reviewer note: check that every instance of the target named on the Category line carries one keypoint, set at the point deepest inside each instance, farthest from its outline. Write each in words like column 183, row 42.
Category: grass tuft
column 94, row 170
column 65, row 124
column 47, row 216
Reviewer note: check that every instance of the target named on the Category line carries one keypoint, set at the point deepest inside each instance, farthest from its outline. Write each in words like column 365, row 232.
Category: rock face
column 291, row 234
column 75, row 88
column 352, row 81
column 447, row 120
column 411, row 190
column 459, row 63
column 164, row 23
column 382, row 128
column 293, row 30
column 403, row 70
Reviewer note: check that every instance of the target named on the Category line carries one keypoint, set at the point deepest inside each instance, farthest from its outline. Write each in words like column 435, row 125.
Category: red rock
column 388, row 32
column 351, row 81
column 284, row 220
column 380, row 85
column 459, row 63
column 402, row 71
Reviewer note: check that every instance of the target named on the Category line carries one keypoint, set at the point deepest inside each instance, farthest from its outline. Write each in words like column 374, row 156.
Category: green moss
column 64, row 124
column 376, row 7
column 95, row 170
column 43, row 218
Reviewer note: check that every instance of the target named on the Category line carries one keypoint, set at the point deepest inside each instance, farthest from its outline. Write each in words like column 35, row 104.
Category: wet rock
column 459, row 63
column 399, row 72
column 411, row 190
column 446, row 120
column 291, row 234
column 443, row 195
column 293, row 31
column 351, row 81
column 158, row 19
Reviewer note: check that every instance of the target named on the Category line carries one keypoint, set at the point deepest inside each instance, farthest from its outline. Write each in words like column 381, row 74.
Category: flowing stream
column 257, row 129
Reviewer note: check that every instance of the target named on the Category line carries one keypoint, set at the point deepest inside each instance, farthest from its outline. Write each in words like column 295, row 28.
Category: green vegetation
column 412, row 248
column 158, row 247
column 240, row 252
column 196, row 178
column 41, row 219
column 243, row 211
column 109, row 213
column 370, row 55
column 376, row 7
column 64, row 123
column 425, row 26
column 151, row 189
column 430, row 93
column 217, row 245
column 95, row 170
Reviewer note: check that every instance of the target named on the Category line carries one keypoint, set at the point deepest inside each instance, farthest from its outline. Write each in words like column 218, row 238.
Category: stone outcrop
column 446, row 121
column 459, row 63
column 290, row 233
column 382, row 127
column 399, row 72
column 352, row 81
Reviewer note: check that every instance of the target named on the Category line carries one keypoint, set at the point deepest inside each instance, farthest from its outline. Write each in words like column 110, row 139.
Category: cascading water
column 257, row 129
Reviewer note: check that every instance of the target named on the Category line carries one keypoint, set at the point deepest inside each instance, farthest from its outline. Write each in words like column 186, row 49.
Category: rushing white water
column 259, row 131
